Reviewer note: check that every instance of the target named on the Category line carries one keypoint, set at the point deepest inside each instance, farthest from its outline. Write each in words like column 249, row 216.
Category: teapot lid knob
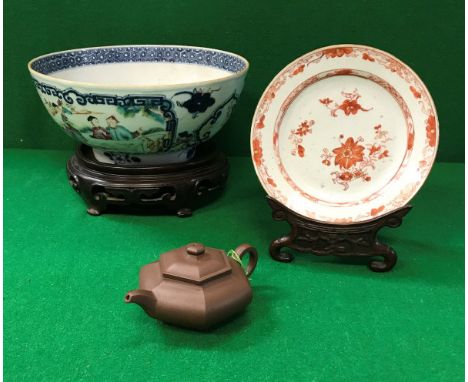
column 195, row 249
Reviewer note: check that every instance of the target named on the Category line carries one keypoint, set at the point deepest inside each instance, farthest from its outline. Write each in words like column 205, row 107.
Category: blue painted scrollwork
column 71, row 95
column 213, row 118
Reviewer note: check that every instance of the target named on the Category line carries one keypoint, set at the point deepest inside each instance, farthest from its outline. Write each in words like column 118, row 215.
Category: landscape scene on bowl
column 139, row 124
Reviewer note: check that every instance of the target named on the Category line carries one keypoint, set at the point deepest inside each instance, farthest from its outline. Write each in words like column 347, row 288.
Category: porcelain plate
column 344, row 134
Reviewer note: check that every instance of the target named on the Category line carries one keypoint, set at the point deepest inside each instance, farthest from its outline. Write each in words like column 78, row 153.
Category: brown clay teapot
column 195, row 286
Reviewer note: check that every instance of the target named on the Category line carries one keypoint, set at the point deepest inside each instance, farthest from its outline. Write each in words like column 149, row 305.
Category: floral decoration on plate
column 344, row 134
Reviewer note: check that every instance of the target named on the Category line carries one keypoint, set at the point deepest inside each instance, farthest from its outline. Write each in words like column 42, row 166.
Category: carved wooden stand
column 322, row 239
column 174, row 188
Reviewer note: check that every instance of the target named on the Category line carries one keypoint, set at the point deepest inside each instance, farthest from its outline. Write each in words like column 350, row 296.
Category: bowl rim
column 124, row 86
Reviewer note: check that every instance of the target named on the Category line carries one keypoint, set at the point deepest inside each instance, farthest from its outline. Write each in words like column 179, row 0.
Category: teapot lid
column 194, row 263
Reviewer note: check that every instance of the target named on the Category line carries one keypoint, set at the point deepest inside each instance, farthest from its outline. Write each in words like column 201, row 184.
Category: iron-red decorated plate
column 344, row 134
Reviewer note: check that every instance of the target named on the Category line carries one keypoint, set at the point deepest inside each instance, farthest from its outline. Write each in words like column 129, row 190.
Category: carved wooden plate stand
column 322, row 239
column 174, row 188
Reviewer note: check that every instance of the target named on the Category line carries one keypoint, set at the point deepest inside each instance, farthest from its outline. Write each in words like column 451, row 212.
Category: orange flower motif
column 337, row 52
column 300, row 151
column 431, row 132
column 348, row 154
column 367, row 57
column 260, row 124
column 394, row 65
column 384, row 154
column 270, row 95
column 326, row 101
column 298, row 70
column 326, row 162
column 375, row 211
column 257, row 151
column 351, row 106
column 346, row 176
column 359, row 174
column 304, row 129
column 415, row 92
column 271, row 182
column 374, row 149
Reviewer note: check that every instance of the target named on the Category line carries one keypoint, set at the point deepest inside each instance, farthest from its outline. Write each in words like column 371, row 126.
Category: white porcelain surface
column 142, row 73
column 140, row 99
column 132, row 160
column 344, row 134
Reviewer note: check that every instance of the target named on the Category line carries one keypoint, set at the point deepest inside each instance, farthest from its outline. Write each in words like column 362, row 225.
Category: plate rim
column 372, row 49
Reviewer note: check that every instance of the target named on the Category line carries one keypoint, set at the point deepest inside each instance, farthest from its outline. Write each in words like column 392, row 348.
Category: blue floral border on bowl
column 93, row 56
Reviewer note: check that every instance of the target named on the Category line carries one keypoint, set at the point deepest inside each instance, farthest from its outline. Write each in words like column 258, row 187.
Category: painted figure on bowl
column 119, row 132
column 98, row 132
column 173, row 99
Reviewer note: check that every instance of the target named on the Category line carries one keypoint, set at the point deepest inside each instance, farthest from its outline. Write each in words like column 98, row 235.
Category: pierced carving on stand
column 205, row 186
column 176, row 188
column 74, row 182
column 163, row 194
column 322, row 239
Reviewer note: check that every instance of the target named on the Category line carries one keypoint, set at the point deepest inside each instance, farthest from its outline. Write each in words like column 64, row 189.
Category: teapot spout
column 144, row 298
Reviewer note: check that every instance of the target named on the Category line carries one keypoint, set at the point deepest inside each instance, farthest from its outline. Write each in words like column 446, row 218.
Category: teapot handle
column 241, row 250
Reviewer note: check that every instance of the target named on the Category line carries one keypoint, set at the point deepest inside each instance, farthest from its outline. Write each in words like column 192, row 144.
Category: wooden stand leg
column 322, row 239
column 172, row 188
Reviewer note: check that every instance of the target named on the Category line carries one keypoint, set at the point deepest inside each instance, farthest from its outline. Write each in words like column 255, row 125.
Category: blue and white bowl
column 154, row 99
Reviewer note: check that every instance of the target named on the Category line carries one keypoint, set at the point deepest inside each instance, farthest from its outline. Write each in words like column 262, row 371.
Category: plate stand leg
column 323, row 239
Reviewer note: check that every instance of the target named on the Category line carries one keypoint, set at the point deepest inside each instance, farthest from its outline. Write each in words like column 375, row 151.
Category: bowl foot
column 132, row 160
column 148, row 189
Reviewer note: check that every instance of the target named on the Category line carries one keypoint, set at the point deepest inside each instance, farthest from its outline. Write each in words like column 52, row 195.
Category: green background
column 316, row 319
column 427, row 35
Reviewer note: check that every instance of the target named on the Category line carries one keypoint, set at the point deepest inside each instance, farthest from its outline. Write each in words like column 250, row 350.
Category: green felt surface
column 317, row 319
column 426, row 34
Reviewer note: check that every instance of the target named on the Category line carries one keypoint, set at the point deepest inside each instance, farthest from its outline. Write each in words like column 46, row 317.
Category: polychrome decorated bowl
column 153, row 99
